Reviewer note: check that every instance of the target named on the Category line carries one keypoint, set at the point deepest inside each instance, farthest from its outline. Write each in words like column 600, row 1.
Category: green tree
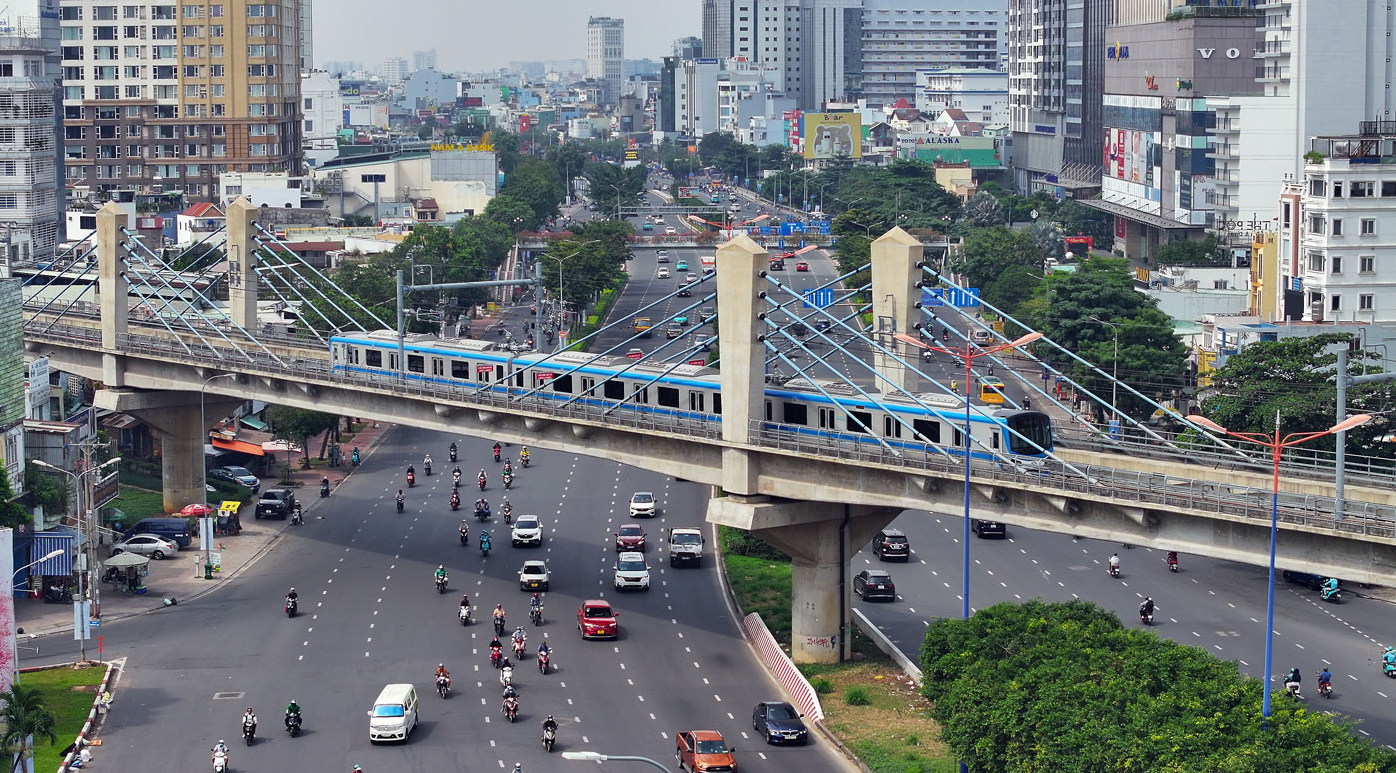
column 1294, row 377
column 1078, row 219
column 12, row 513
column 201, row 256
column 613, row 186
column 358, row 221
column 983, row 210
column 1188, row 252
column 297, row 425
column 512, row 212
column 506, row 148
column 48, row 490
column 859, row 222
column 24, row 717
column 852, row 253
column 590, row 269
column 424, row 132
column 988, row 253
column 535, row 182
column 569, row 161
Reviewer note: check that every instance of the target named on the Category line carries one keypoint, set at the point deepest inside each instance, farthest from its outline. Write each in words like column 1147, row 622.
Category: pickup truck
column 685, row 545
column 276, row 503
column 641, row 325
column 703, row 750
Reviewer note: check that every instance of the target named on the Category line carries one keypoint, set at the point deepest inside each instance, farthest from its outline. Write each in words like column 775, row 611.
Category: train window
column 373, row 358
column 717, row 403
column 645, row 396
column 562, row 384
column 927, row 429
column 795, row 413
column 438, row 366
column 826, row 418
column 668, row 397
column 959, row 438
column 392, row 362
column 859, row 421
column 482, row 376
column 768, row 410
column 695, row 401
column 460, row 369
column 416, row 363
column 353, row 355
column 994, row 441
column 891, row 427
column 588, row 384
column 518, row 378
column 612, row 389
column 498, row 373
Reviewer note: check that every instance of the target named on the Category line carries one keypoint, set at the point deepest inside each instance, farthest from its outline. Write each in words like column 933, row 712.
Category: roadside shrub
column 822, row 686
column 856, row 696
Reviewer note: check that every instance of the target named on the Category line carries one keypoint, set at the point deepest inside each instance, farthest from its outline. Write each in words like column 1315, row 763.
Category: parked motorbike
column 58, row 594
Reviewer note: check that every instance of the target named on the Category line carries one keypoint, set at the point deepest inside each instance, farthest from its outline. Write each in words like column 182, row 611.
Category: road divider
column 779, row 664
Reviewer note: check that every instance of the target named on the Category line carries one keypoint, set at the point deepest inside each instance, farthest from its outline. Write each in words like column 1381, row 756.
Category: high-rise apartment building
column 903, row 37
column 424, row 60
column 688, row 48
column 809, row 49
column 30, row 134
column 394, row 69
column 717, row 29
column 606, row 55
column 1056, row 81
column 158, row 96
column 307, row 37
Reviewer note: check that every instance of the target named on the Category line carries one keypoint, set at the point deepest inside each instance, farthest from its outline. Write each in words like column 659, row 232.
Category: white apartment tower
column 903, row 37
column 394, row 69
column 809, row 49
column 606, row 55
column 424, row 60
column 307, row 37
column 30, row 134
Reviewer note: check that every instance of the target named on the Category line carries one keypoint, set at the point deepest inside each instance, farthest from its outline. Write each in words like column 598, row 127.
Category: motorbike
column 293, row 725
column 508, row 482
column 496, row 454
column 464, row 534
column 399, row 505
column 441, row 584
column 499, row 626
column 354, row 458
column 484, row 548
column 220, row 761
column 324, row 489
column 455, row 483
column 249, row 729
column 536, row 614
column 483, row 513
column 496, row 656
column 544, row 658
column 426, row 468
column 511, row 710
column 455, row 503
column 411, row 480
column 291, row 607
column 442, row 685
column 549, row 738
column 508, row 515
column 1114, row 570
column 523, row 458
column 453, row 453
column 506, row 676
column 1325, row 689
column 297, row 519
column 1389, row 669
column 481, row 481
column 1146, row 617
column 1331, row 595
column 55, row 594
column 519, row 649
column 464, row 615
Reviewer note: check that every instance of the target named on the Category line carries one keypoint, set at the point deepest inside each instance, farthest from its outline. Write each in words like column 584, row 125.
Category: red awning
column 237, row 445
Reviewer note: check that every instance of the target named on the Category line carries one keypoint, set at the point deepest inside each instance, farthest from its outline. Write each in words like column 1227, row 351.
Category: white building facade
column 981, row 94
column 900, row 38
column 30, row 136
column 606, row 55
column 307, row 37
column 322, row 111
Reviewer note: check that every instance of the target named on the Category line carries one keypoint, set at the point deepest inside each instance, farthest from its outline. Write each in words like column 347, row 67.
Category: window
column 1337, row 190
column 1367, row 264
column 416, row 363
column 667, row 397
column 1388, row 188
column 1337, row 226
column 1317, row 225
column 1337, row 264
column 795, row 413
column 1369, row 226
column 859, row 421
column 1316, row 261
column 1361, row 189
column 1335, row 303
column 1318, row 187
column 373, row 358
column 1366, row 302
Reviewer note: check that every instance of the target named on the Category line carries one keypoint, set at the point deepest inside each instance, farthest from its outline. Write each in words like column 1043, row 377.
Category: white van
column 394, row 714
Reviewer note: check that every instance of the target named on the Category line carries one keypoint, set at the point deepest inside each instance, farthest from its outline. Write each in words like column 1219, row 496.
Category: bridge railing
column 1311, row 511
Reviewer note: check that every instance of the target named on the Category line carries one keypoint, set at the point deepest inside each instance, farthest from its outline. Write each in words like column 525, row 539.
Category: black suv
column 276, row 503
column 890, row 544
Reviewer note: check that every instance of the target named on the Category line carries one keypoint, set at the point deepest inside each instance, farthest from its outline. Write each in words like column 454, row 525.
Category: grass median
column 869, row 704
column 68, row 693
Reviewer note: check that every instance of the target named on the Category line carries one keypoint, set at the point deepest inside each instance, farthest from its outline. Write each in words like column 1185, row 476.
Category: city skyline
column 557, row 30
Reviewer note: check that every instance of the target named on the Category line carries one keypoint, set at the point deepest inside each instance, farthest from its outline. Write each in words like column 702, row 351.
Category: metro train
column 693, row 392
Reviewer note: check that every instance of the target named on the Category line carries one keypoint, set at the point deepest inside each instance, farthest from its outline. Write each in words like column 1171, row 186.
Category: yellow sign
column 833, row 135
column 632, row 155
column 1206, row 366
column 483, row 147
column 229, row 507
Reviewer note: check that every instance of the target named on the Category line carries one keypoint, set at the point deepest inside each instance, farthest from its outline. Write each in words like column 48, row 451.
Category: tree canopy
column 1065, row 688
column 613, row 186
column 297, row 425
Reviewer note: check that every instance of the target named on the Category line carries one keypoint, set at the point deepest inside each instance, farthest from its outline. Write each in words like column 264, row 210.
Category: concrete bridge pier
column 821, row 538
column 177, row 416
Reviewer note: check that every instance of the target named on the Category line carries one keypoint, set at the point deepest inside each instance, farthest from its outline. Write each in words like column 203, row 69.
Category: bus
column 991, row 390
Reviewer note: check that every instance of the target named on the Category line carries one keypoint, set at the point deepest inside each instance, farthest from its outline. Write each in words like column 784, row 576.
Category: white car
column 533, row 575
column 671, row 230
column 632, row 572
column 663, row 272
column 642, row 505
column 527, row 531
column 152, row 545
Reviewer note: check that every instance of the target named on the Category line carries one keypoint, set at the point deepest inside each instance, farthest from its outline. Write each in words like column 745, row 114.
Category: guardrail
column 782, row 667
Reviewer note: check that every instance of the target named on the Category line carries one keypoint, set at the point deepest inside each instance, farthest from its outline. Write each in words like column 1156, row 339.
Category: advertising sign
column 697, row 362
column 635, row 355
column 832, row 135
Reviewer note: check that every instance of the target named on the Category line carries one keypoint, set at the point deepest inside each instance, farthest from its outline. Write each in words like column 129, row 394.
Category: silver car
column 147, row 545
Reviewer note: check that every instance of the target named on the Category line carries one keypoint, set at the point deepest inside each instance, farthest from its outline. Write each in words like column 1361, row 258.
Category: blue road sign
column 821, row 299
column 943, row 296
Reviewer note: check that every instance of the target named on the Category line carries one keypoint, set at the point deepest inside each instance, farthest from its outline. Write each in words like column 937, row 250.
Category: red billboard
column 635, row 355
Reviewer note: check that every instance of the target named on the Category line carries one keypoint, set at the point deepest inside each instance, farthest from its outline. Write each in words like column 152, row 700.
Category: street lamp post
column 203, row 438
column 1114, row 367
column 561, row 301
column 1276, row 443
column 598, row 757
column 89, row 548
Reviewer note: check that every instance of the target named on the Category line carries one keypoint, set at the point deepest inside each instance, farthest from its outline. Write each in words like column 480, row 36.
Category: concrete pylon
column 178, row 417
column 821, row 538
column 242, row 263
column 743, row 367
column 895, row 295
column 111, row 274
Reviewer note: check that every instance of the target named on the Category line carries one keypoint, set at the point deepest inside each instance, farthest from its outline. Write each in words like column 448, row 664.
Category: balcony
column 1271, row 48
column 1271, row 74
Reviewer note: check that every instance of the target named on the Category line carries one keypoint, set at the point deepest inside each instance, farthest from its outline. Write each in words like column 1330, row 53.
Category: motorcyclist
column 455, row 499
column 440, row 572
column 411, row 470
column 520, row 638
column 1292, row 681
column 1329, row 586
column 1325, row 679
column 465, row 601
column 482, row 504
column 511, row 705
column 249, row 722
column 426, row 462
column 484, row 540
column 550, row 724
column 399, row 499
column 1147, row 607
column 523, row 455
column 506, row 507
column 325, row 483
column 1172, row 558
column 534, row 602
column 1115, row 563
column 1389, row 657
column 496, row 451
column 499, row 613
column 441, row 671
column 291, row 595
column 508, row 467
column 221, row 746
column 544, row 649
column 292, row 709
column 453, row 451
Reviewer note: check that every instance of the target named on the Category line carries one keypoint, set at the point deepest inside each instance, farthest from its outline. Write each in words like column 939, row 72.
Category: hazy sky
column 488, row 35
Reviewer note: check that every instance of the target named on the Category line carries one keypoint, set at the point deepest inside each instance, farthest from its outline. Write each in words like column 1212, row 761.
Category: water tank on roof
column 1316, row 310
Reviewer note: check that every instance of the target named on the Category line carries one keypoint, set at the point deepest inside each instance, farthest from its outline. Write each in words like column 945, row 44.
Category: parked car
column 146, row 545
column 988, row 528
column 275, row 503
column 778, row 722
column 1311, row 581
column 890, row 544
column 875, row 584
column 239, row 475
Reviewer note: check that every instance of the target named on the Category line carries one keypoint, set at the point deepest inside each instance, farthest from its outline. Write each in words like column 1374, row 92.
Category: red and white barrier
column 784, row 669
column 87, row 727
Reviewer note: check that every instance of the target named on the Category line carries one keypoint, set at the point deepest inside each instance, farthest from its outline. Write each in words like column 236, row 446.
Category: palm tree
column 24, row 717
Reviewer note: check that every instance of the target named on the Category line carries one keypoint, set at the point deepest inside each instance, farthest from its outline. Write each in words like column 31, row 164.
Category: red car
column 630, row 537
column 596, row 620
column 802, row 266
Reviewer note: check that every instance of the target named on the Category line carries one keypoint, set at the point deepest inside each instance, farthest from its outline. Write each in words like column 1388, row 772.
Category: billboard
column 830, row 135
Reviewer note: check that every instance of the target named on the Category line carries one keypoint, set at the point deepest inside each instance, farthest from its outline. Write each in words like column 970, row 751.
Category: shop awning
column 237, row 445
column 251, row 421
column 45, row 543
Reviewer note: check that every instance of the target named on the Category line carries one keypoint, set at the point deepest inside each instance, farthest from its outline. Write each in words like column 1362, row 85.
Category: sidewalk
column 181, row 578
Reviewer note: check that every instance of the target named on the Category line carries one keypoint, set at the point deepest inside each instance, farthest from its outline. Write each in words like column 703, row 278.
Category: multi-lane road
column 371, row 616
